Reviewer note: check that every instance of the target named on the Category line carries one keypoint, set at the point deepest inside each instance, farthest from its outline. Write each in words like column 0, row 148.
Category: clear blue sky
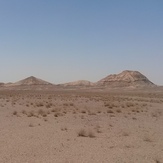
column 67, row 40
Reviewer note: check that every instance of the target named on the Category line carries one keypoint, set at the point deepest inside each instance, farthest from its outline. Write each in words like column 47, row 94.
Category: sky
column 67, row 40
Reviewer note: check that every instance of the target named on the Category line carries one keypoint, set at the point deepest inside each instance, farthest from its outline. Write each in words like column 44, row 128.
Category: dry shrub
column 53, row 110
column 123, row 106
column 40, row 104
column 91, row 113
column 42, row 113
column 15, row 113
column 71, row 104
column 64, row 129
column 45, row 119
column 31, row 125
column 48, row 112
column 58, row 114
column 24, row 112
column 134, row 118
column 98, row 130
column 156, row 114
column 83, row 111
column 110, row 111
column 84, row 133
column 125, row 134
column 147, row 139
column 144, row 104
column 110, row 105
column 65, row 104
column 31, row 114
column 91, row 134
column 118, row 111
column 129, row 104
column 49, row 105
column 157, row 161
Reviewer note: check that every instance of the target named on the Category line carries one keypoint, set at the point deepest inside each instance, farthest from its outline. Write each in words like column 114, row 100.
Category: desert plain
column 81, row 126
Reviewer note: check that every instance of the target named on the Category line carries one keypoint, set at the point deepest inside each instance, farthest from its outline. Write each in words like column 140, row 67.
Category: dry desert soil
column 81, row 126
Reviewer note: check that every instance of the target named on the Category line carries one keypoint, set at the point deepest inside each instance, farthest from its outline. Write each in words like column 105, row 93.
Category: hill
column 30, row 81
column 126, row 78
column 83, row 83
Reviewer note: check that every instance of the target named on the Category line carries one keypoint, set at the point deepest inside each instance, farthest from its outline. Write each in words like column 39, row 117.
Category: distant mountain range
column 124, row 79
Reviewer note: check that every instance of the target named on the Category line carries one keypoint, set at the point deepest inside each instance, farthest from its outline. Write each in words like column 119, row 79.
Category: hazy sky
column 67, row 40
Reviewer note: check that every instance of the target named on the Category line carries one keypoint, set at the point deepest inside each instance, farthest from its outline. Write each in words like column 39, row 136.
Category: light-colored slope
column 79, row 83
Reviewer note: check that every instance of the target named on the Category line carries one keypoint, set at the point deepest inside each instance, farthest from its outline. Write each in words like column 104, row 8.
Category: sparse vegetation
column 106, row 117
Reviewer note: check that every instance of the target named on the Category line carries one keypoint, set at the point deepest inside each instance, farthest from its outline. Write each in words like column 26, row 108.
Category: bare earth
column 81, row 126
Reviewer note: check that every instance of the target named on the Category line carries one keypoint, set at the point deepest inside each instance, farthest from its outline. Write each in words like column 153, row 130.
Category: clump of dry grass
column 31, row 114
column 129, row 104
column 83, row 111
column 49, row 105
column 65, row 104
column 91, row 113
column 15, row 113
column 57, row 114
column 84, row 133
column 42, row 113
column 98, row 130
column 24, row 112
column 45, row 119
column 110, row 111
column 40, row 104
column 31, row 125
column 110, row 105
column 64, row 129
column 125, row 134
column 118, row 111
column 147, row 139
column 91, row 134
column 71, row 104
column 157, row 161
column 134, row 118
column 123, row 106
column 156, row 114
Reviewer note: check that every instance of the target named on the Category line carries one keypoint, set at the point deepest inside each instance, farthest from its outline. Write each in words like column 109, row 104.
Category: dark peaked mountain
column 125, row 79
column 30, row 81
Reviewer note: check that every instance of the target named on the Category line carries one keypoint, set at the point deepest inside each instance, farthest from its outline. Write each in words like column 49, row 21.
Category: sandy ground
column 81, row 127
